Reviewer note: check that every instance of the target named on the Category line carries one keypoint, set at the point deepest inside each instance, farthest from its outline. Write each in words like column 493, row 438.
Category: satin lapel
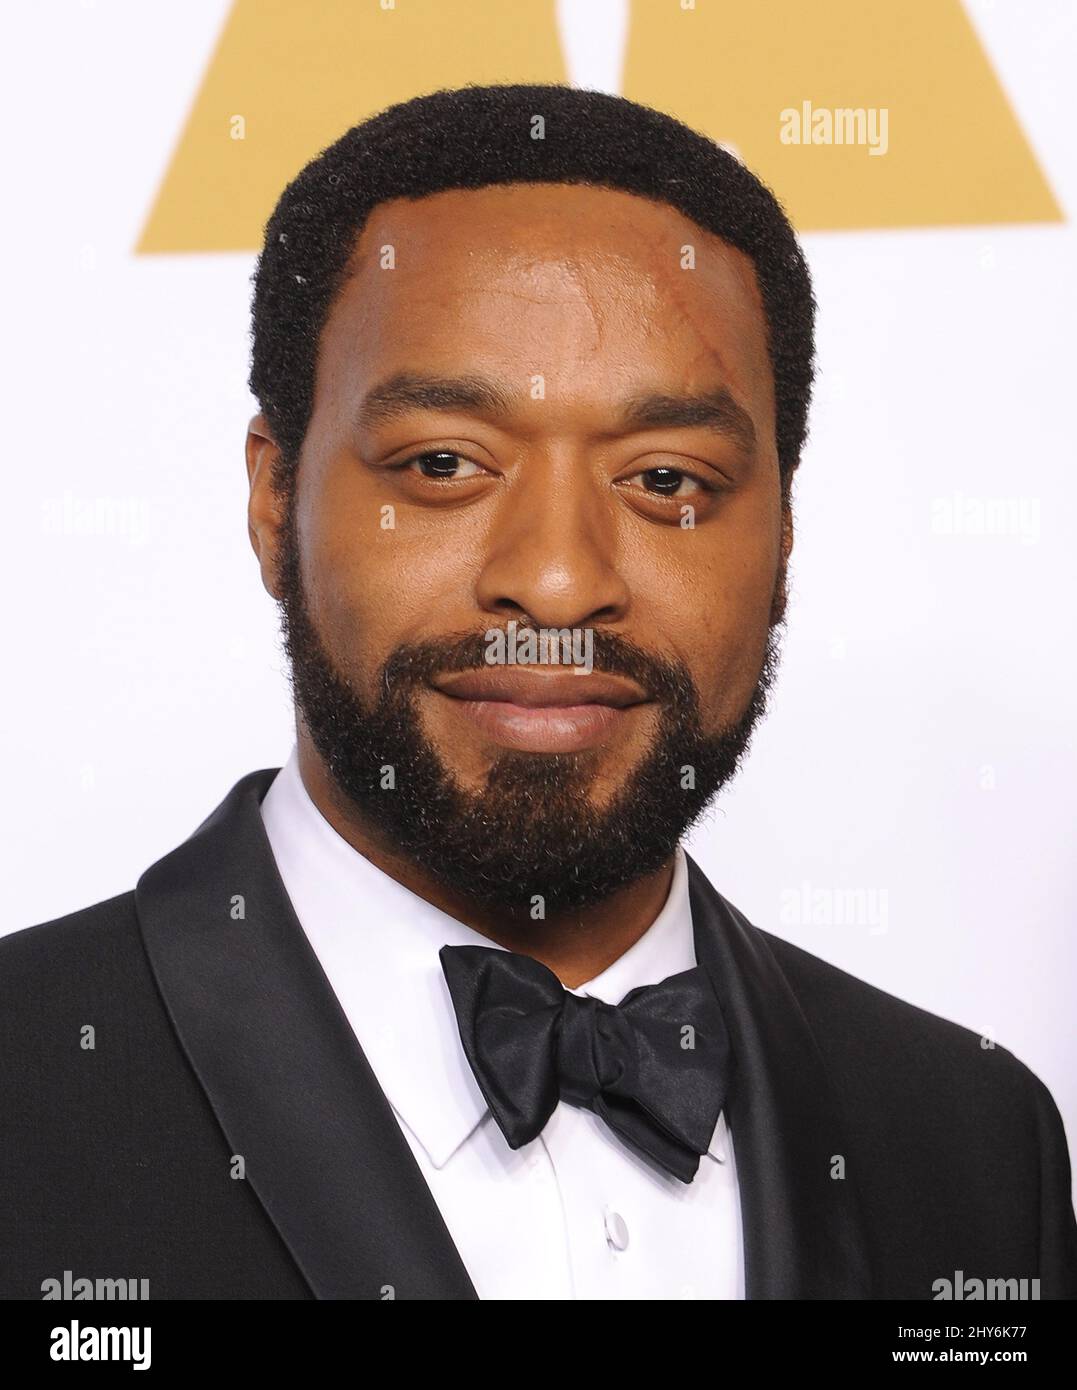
column 803, row 1230
column 282, row 1069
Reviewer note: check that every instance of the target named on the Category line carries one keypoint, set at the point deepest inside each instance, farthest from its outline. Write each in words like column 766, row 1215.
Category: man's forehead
column 592, row 280
column 546, row 218
column 539, row 198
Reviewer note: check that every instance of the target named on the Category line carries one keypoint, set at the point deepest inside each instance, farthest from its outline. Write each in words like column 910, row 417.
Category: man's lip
column 542, row 690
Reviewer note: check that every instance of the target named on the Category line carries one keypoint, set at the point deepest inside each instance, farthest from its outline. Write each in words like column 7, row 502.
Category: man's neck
column 576, row 945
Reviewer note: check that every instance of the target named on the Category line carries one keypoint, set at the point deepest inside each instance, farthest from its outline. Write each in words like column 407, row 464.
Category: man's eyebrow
column 714, row 410
column 406, row 391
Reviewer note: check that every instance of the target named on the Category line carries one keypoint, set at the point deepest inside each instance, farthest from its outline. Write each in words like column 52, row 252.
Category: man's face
column 549, row 404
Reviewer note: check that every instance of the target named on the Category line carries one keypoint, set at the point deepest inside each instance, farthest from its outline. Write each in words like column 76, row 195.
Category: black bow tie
column 653, row 1067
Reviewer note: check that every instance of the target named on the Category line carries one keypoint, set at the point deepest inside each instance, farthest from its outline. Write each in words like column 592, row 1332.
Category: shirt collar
column 378, row 944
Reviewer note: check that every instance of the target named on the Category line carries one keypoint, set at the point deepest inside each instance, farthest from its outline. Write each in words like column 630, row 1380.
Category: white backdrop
column 917, row 772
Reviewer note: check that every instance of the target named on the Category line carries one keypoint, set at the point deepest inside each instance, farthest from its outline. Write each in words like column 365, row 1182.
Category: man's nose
column 553, row 551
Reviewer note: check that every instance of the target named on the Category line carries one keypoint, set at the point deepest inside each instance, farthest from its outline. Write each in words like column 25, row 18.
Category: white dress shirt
column 573, row 1214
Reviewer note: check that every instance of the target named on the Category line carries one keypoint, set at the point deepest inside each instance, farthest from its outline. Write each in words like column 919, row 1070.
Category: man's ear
column 265, row 508
column 781, row 595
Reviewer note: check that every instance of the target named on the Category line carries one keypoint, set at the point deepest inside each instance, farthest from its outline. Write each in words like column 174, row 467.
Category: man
column 442, row 1010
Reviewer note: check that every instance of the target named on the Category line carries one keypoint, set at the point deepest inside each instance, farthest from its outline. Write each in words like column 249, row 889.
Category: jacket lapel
column 296, row 1097
column 282, row 1069
column 803, row 1229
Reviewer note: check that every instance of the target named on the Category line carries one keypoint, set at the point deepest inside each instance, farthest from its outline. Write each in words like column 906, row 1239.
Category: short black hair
column 478, row 136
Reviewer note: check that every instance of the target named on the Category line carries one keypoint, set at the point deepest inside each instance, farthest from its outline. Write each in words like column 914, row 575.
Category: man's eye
column 442, row 464
column 669, row 482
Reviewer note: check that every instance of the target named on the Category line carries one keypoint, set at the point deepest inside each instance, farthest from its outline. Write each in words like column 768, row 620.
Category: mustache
column 416, row 663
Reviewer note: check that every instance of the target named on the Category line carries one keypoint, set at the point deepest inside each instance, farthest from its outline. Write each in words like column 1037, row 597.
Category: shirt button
column 616, row 1230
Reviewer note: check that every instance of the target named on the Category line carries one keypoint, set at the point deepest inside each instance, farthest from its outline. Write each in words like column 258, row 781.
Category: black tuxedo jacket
column 879, row 1148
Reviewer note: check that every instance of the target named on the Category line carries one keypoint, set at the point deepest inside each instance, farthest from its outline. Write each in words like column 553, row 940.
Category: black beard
column 531, row 833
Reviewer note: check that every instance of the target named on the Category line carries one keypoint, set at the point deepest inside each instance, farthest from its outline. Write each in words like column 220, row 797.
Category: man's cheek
column 416, row 586
column 355, row 633
column 724, row 686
